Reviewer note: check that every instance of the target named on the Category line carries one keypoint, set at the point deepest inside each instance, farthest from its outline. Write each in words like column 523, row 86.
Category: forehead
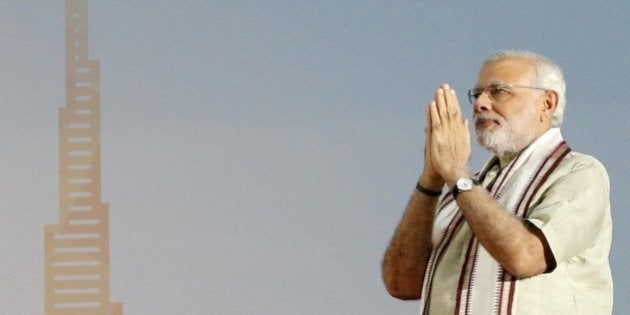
column 511, row 70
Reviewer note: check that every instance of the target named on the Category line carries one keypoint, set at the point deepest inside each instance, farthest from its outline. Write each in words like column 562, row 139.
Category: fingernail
column 441, row 91
column 446, row 86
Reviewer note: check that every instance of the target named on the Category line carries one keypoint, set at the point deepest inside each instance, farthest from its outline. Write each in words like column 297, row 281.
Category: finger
column 452, row 104
column 429, row 118
column 427, row 130
column 440, row 102
column 427, row 135
column 467, row 133
column 466, row 122
column 435, row 120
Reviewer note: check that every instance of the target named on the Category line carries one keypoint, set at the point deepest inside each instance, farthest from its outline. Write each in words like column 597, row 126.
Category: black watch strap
column 427, row 191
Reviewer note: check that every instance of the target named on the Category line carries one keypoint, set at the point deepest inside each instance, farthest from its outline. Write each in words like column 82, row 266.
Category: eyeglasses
column 498, row 92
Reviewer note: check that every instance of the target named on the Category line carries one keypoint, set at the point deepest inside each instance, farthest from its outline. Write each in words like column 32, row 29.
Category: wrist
column 451, row 179
column 463, row 184
column 431, row 183
column 428, row 192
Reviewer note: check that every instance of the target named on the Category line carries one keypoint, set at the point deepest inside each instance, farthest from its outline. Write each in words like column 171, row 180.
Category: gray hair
column 548, row 76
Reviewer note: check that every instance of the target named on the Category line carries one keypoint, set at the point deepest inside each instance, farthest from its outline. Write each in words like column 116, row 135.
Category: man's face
column 507, row 118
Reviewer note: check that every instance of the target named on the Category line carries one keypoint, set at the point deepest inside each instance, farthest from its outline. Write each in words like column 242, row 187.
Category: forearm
column 515, row 246
column 406, row 257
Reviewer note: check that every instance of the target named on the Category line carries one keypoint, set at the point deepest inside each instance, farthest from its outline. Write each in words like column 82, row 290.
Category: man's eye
column 476, row 92
column 498, row 92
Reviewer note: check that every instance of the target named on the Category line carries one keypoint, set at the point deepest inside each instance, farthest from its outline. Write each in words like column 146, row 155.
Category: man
column 531, row 232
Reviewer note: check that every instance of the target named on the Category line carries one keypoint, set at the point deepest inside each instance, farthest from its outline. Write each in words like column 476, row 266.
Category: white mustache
column 488, row 116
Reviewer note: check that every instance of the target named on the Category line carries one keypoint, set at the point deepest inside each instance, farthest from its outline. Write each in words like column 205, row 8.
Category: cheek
column 502, row 113
column 527, row 118
column 524, row 112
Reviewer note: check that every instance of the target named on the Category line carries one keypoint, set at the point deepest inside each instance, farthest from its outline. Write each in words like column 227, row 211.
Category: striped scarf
column 484, row 286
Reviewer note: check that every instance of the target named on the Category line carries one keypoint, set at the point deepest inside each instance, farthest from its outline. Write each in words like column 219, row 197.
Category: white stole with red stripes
column 484, row 286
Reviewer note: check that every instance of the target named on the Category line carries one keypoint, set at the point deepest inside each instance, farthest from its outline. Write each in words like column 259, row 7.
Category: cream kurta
column 572, row 208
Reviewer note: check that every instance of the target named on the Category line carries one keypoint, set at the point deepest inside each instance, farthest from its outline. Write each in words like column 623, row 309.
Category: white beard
column 510, row 136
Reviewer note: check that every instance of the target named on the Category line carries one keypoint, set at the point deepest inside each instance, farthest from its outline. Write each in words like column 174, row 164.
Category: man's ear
column 551, row 101
column 550, row 104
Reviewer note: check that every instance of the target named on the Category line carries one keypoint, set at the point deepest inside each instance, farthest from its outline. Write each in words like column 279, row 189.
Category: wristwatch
column 463, row 184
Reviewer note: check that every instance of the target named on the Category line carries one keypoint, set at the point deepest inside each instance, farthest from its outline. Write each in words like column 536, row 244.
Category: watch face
column 464, row 184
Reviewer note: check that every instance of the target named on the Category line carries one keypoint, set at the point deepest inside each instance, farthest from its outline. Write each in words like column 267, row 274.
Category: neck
column 505, row 159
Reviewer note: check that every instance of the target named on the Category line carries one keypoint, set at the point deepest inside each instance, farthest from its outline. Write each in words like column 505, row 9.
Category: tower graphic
column 77, row 249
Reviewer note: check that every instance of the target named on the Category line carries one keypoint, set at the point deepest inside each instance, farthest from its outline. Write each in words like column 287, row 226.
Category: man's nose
column 483, row 103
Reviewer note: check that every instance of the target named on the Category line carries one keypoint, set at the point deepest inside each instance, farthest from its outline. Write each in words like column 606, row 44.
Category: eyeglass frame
column 498, row 86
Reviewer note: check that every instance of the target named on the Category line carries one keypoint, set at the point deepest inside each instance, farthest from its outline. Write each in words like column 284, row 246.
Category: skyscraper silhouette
column 77, row 249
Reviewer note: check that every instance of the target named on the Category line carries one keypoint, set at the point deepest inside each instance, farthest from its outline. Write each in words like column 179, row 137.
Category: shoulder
column 577, row 176
column 582, row 165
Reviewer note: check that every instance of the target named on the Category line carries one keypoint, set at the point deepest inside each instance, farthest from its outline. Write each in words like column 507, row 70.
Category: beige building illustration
column 77, row 249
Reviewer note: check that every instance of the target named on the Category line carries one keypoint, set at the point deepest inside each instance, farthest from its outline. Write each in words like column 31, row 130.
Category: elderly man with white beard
column 528, row 234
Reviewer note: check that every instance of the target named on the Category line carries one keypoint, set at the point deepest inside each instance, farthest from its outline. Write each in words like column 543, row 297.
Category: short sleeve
column 574, row 207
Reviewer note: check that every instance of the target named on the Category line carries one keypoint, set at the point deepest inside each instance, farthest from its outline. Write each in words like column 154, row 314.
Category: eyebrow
column 493, row 83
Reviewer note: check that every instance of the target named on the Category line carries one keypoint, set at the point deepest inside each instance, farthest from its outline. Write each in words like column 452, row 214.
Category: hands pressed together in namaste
column 447, row 147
